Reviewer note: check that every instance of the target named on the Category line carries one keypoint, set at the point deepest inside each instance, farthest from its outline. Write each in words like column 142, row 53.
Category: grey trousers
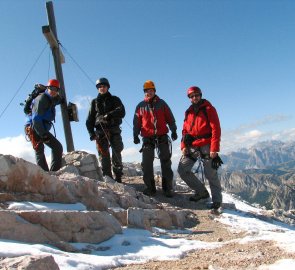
column 185, row 166
column 148, row 156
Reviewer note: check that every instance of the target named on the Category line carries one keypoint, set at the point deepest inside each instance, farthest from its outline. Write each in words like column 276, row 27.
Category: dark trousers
column 113, row 139
column 148, row 156
column 56, row 153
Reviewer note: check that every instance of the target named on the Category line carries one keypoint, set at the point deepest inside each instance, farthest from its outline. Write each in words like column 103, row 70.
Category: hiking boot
column 215, row 205
column 118, row 179
column 197, row 197
column 149, row 192
column 169, row 193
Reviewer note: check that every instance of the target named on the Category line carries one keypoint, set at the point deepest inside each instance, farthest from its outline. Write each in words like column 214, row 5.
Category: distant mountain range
column 260, row 156
column 264, row 174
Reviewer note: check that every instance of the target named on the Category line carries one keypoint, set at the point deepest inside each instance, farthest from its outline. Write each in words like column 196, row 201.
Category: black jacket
column 106, row 104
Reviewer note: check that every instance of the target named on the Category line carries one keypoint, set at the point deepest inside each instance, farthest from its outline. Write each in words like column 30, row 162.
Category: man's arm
column 90, row 121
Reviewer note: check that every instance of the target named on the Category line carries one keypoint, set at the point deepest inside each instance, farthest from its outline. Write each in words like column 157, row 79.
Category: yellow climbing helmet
column 149, row 85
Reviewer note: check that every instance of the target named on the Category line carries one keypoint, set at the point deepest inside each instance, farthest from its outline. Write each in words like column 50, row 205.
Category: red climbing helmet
column 54, row 83
column 194, row 89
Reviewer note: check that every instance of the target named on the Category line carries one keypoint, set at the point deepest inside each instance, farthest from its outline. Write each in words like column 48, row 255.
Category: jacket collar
column 47, row 94
column 104, row 96
column 151, row 100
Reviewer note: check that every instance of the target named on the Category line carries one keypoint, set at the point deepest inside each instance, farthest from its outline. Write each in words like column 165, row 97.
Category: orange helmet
column 149, row 85
column 194, row 89
column 54, row 83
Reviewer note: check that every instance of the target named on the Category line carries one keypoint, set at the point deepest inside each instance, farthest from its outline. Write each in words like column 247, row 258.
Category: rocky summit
column 92, row 209
column 108, row 205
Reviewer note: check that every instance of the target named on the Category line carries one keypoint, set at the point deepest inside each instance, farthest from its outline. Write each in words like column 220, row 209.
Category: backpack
column 39, row 89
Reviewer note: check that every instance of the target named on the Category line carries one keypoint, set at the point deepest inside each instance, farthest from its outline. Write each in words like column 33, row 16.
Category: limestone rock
column 23, row 181
column 120, row 214
column 20, row 176
column 148, row 218
column 86, row 164
column 84, row 190
column 56, row 226
column 120, row 195
column 37, row 262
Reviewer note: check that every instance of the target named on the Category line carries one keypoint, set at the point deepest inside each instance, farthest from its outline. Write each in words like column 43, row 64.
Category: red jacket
column 151, row 118
column 201, row 124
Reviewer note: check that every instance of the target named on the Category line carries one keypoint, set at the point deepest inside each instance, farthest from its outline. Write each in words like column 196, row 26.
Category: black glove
column 188, row 139
column 216, row 162
column 174, row 136
column 93, row 137
column 40, row 86
column 136, row 140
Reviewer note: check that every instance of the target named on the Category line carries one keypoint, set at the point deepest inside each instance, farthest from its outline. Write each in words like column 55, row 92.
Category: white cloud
column 88, row 151
column 18, row 147
column 248, row 134
column 232, row 142
column 131, row 154
column 285, row 135
column 130, row 151
column 252, row 134
column 82, row 102
column 267, row 120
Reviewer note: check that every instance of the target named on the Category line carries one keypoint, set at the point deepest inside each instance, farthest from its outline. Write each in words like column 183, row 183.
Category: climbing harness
column 99, row 139
column 30, row 136
column 155, row 142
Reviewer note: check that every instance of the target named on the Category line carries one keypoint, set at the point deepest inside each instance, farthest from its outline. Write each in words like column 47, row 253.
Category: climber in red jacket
column 152, row 115
column 201, row 138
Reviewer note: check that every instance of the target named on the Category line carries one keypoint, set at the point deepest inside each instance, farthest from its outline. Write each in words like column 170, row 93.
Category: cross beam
column 50, row 34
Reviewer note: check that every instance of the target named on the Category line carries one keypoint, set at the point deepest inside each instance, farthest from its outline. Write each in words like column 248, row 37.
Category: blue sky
column 240, row 53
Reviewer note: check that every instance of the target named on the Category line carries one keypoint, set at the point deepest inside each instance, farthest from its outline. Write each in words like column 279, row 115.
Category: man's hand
column 216, row 162
column 93, row 137
column 174, row 136
column 188, row 139
column 40, row 86
column 136, row 140
column 213, row 154
column 184, row 151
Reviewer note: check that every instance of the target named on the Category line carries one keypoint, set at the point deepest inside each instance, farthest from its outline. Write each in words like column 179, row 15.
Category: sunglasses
column 101, row 86
column 53, row 88
column 194, row 96
column 148, row 90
